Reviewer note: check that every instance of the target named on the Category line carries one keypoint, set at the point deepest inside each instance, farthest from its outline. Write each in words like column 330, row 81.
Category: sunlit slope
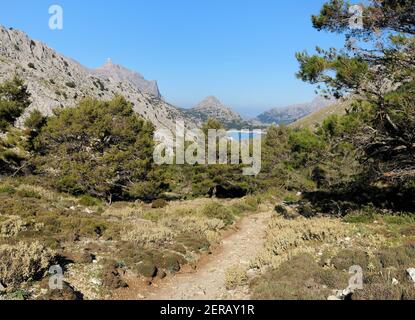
column 319, row 116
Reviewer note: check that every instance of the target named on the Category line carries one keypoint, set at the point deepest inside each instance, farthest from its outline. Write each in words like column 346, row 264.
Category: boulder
column 411, row 273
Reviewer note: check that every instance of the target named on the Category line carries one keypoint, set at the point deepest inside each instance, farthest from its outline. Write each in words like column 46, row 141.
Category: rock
column 201, row 293
column 347, row 292
column 411, row 273
column 96, row 282
column 333, row 298
column 342, row 294
column 252, row 273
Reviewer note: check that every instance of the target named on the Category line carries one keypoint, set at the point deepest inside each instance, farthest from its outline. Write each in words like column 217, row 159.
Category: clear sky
column 241, row 51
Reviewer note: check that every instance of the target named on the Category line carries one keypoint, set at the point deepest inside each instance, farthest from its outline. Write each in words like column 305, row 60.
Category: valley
column 110, row 192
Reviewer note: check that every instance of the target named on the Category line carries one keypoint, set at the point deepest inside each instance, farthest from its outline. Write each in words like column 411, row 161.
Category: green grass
column 89, row 201
column 359, row 218
column 7, row 189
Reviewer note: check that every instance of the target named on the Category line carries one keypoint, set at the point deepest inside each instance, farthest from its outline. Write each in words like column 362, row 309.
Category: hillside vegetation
column 80, row 188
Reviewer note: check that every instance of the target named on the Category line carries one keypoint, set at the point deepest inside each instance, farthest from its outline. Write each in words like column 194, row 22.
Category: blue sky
column 241, row 51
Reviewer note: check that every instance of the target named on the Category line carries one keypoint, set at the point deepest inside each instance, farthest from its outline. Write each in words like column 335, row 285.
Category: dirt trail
column 208, row 282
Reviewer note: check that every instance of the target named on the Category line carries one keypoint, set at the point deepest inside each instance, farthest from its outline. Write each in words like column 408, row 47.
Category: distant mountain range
column 56, row 81
column 290, row 114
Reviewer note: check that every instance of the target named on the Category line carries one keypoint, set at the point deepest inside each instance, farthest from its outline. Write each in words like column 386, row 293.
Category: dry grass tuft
column 287, row 238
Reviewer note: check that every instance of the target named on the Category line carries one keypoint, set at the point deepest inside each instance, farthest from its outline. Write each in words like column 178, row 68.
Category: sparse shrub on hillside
column 34, row 123
column 296, row 279
column 159, row 203
column 14, row 99
column 67, row 293
column 11, row 226
column 218, row 211
column 23, row 262
column 235, row 277
column 148, row 234
column 146, row 269
column 345, row 259
column 288, row 237
column 70, row 84
column 306, row 210
column 111, row 277
column 249, row 203
column 89, row 201
column 28, row 194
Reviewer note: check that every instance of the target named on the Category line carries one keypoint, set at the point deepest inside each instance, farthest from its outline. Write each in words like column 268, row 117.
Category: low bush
column 346, row 259
column 218, row 211
column 89, row 201
column 111, row 277
column 67, row 293
column 70, row 84
column 28, row 194
column 235, row 277
column 293, row 280
column 23, row 262
column 159, row 203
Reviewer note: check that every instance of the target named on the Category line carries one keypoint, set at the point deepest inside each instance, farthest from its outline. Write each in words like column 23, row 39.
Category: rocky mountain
column 290, row 114
column 117, row 74
column 56, row 81
column 211, row 107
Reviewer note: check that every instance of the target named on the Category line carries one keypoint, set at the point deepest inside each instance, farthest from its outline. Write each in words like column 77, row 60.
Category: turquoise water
column 243, row 135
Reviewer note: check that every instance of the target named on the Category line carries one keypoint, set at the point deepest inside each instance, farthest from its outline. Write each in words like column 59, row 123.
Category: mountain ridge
column 119, row 73
column 290, row 114
column 55, row 81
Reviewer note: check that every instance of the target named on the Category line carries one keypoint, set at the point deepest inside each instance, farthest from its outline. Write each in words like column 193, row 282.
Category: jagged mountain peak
column 119, row 73
column 210, row 102
column 212, row 107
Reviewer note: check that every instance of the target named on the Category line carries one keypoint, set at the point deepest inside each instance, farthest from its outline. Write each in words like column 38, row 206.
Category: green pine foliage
column 14, row 99
column 99, row 148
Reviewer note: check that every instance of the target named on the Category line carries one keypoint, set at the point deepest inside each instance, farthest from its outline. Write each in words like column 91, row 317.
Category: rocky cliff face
column 211, row 107
column 120, row 74
column 55, row 81
column 288, row 115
